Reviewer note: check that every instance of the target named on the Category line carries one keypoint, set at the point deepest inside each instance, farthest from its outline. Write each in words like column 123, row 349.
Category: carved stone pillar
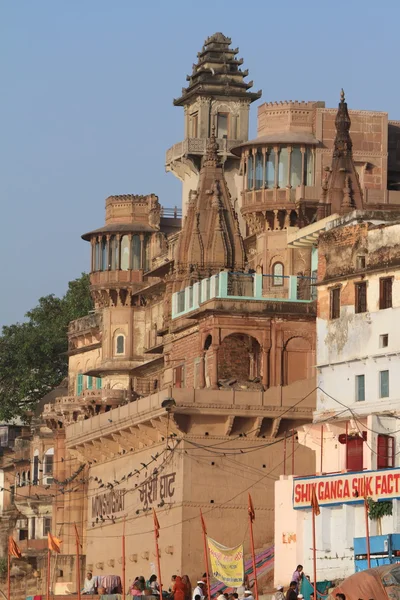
column 108, row 267
column 289, row 182
column 264, row 365
column 202, row 371
column 118, row 252
column 276, row 220
column 214, row 368
column 93, row 247
column 286, row 224
column 130, row 263
column 276, row 150
column 142, row 251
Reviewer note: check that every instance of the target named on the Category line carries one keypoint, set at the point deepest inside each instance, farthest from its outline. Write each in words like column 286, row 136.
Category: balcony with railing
column 197, row 146
column 247, row 287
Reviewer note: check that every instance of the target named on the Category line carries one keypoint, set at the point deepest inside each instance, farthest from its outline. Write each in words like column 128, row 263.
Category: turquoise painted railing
column 246, row 286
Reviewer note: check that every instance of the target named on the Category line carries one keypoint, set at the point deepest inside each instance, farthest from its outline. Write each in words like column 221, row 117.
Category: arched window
column 270, row 169
column 124, row 257
column 104, row 261
column 208, row 342
column 283, row 179
column 35, row 467
column 136, row 253
column 309, row 167
column 277, row 272
column 249, row 172
column 97, row 256
column 295, row 167
column 113, row 253
column 79, row 384
column 120, row 344
column 48, row 462
column 259, row 170
column 146, row 265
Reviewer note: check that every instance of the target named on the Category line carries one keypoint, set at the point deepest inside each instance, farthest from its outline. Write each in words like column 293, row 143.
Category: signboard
column 344, row 488
column 227, row 563
column 108, row 503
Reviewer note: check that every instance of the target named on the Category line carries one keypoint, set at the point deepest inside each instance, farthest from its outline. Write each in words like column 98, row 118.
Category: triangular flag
column 13, row 549
column 156, row 524
column 314, row 503
column 203, row 525
column 251, row 511
column 54, row 543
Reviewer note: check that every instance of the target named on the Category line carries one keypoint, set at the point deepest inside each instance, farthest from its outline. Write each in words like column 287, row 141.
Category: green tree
column 32, row 354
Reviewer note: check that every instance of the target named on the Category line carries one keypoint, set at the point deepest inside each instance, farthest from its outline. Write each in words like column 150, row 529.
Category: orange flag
column 54, row 543
column 251, row 511
column 314, row 503
column 13, row 549
column 156, row 524
column 202, row 523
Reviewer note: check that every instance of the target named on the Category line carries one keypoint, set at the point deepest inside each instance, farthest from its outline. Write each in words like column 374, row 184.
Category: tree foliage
column 32, row 354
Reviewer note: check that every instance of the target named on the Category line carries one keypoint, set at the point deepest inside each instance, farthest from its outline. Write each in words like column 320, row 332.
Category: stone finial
column 343, row 145
column 212, row 158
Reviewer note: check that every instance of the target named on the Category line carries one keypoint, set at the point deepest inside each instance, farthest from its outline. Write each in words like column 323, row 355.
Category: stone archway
column 239, row 357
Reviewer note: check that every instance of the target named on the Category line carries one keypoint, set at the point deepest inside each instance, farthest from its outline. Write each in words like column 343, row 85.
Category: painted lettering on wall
column 288, row 538
column 109, row 503
column 352, row 487
column 154, row 487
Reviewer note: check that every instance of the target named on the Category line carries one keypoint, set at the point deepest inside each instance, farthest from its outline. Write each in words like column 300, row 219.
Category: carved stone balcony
column 197, row 146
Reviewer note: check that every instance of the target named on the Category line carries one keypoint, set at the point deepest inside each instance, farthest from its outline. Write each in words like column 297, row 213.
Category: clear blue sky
column 86, row 105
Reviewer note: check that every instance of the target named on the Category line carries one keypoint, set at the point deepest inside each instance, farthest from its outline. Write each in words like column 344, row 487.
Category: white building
column 356, row 426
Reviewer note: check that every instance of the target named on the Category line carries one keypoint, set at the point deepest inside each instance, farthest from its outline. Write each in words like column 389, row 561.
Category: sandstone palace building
column 188, row 381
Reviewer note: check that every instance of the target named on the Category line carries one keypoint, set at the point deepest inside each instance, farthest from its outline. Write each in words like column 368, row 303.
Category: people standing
column 199, row 590
column 279, row 594
column 188, row 587
column 298, row 577
column 178, row 589
column 291, row 594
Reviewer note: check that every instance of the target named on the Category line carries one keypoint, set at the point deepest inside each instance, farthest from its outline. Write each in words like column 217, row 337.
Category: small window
column 335, row 303
column 222, row 125
column 120, row 344
column 277, row 272
column 360, row 262
column 384, row 340
column 360, row 388
column 385, row 292
column 383, row 384
column 98, row 383
column 46, row 526
column 361, row 297
column 90, row 382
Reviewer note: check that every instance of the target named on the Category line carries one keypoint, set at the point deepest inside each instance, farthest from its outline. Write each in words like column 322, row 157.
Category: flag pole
column 9, row 573
column 48, row 574
column 253, row 554
column 123, row 560
column 367, row 534
column 203, row 526
column 78, row 564
column 156, row 534
column 314, row 555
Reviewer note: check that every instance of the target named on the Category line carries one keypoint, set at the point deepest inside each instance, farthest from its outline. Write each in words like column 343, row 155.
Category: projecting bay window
column 280, row 166
column 361, row 297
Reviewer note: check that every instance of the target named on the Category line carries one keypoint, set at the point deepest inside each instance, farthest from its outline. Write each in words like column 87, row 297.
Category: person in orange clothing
column 178, row 590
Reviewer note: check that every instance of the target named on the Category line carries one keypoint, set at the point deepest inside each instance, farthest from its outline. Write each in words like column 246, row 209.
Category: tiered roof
column 217, row 73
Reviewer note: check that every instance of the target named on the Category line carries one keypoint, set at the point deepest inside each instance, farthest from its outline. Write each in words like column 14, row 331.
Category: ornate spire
column 343, row 145
column 212, row 158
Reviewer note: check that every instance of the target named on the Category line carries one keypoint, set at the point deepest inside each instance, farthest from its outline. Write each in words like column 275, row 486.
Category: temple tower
column 217, row 96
